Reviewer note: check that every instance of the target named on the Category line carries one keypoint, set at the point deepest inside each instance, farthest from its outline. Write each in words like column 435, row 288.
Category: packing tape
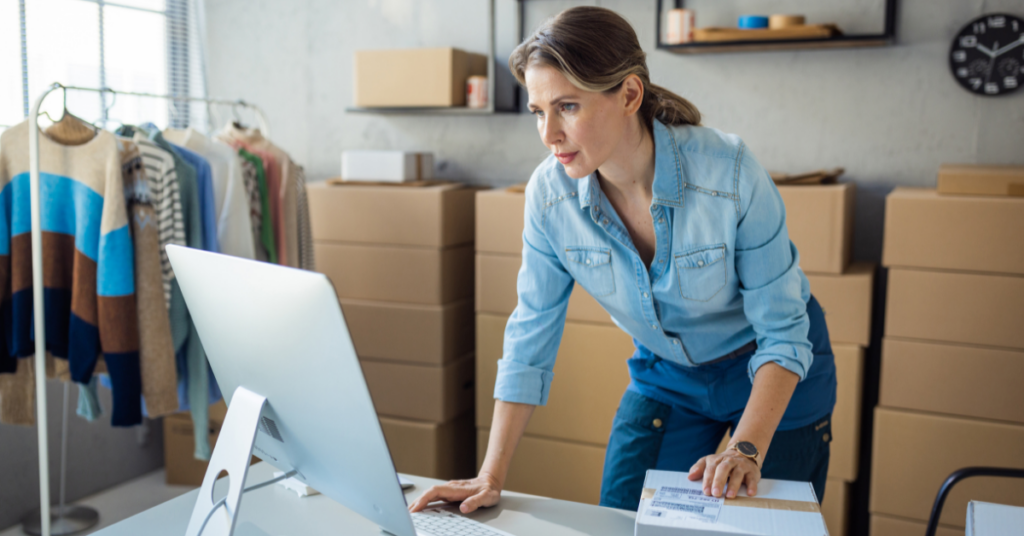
column 774, row 504
column 647, row 493
column 776, row 22
column 753, row 21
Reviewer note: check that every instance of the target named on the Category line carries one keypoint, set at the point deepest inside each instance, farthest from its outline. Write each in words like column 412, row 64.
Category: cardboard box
column 435, row 450
column 422, row 392
column 496, row 277
column 973, row 179
column 425, row 334
column 914, row 453
column 968, row 381
column 988, row 519
column 882, row 525
column 836, row 507
column 424, row 276
column 551, row 468
column 954, row 307
column 387, row 166
column 672, row 505
column 500, row 221
column 180, row 465
column 416, row 77
column 820, row 223
column 926, row 230
column 429, row 216
column 590, row 377
column 846, row 300
column 845, row 447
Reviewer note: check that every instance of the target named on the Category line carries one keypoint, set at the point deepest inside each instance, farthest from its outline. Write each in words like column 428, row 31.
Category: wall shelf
column 888, row 37
column 427, row 111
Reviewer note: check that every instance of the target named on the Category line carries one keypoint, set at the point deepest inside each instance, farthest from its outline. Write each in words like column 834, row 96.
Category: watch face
column 987, row 56
column 746, row 448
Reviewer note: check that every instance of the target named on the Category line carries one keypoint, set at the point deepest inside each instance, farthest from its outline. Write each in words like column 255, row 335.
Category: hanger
column 234, row 110
column 107, row 108
column 70, row 130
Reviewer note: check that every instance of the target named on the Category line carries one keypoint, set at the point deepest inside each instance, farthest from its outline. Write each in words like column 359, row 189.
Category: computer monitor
column 280, row 333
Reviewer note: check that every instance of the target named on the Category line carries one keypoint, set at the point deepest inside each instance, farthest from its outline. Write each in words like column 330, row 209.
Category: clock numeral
column 959, row 56
column 991, row 88
column 979, row 27
column 968, row 41
column 962, row 72
column 997, row 22
column 975, row 82
column 1010, row 82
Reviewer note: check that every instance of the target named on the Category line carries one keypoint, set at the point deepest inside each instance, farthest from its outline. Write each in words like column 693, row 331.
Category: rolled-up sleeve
column 534, row 330
column 775, row 290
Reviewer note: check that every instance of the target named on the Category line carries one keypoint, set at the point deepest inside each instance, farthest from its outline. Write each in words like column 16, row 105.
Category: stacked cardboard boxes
column 562, row 454
column 401, row 260
column 952, row 358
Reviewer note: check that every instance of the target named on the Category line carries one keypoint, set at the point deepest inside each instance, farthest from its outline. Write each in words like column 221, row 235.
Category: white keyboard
column 438, row 522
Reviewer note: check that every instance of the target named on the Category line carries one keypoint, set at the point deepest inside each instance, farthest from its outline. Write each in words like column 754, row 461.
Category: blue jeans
column 671, row 416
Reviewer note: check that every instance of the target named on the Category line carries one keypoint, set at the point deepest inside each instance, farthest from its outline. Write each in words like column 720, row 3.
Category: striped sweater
column 88, row 262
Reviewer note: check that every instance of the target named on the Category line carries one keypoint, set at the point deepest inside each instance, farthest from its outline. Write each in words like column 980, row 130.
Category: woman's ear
column 632, row 94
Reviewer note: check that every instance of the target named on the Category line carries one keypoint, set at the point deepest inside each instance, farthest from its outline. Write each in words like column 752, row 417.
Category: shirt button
column 714, row 194
column 657, row 423
column 700, row 263
column 645, row 294
column 675, row 341
column 605, row 221
column 654, row 326
column 588, row 261
column 661, row 260
column 661, row 220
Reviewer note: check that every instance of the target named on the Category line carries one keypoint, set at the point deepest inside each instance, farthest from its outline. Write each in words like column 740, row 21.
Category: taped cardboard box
column 430, row 216
column 983, row 309
column 496, row 277
column 436, row 450
column 883, row 525
column 846, row 300
column 915, row 452
column 499, row 221
column 672, row 505
column 435, row 393
column 590, row 377
column 424, row 276
column 424, row 334
column 954, row 379
column 926, row 230
column 973, row 179
column 835, row 508
column 180, row 465
column 820, row 223
column 416, row 77
column 551, row 468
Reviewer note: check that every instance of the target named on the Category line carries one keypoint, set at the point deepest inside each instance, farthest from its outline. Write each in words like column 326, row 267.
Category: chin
column 577, row 171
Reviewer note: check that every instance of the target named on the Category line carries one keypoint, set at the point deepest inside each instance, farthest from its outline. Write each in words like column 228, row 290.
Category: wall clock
column 987, row 56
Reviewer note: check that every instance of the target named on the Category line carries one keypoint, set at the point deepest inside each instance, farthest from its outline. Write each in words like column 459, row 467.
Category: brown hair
column 596, row 49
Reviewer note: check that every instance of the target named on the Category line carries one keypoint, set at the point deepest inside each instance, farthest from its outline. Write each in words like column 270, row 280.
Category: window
column 145, row 46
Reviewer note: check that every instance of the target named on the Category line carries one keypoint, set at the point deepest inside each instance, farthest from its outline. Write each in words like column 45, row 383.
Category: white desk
column 275, row 511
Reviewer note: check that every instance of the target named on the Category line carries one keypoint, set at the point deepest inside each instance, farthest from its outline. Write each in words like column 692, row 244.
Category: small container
column 749, row 22
column 476, row 91
column 680, row 26
column 778, row 22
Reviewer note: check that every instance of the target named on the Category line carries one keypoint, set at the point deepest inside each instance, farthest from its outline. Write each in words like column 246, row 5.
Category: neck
column 629, row 173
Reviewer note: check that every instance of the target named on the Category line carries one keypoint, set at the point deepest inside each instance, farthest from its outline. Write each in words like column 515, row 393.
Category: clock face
column 987, row 56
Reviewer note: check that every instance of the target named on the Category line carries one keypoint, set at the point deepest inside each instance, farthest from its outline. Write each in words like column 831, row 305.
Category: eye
column 569, row 107
column 537, row 112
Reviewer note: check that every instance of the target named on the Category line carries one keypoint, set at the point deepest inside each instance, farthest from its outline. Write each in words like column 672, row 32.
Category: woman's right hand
column 478, row 492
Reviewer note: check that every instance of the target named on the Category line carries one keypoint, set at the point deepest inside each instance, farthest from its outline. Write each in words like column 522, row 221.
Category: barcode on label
column 678, row 507
column 682, row 491
column 655, row 513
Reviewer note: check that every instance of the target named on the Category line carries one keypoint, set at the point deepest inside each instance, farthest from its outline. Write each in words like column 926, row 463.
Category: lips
column 565, row 158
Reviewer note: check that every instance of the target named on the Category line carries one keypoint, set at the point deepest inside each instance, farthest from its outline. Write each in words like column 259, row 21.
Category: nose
column 550, row 131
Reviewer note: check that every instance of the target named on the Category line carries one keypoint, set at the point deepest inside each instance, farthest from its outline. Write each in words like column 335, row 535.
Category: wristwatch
column 747, row 450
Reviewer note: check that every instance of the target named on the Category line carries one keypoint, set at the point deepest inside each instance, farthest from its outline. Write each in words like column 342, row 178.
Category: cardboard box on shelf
column 846, row 300
column 496, row 277
column 421, row 392
column 915, row 452
column 425, row 276
column 436, row 450
column 983, row 309
column 552, row 468
column 386, row 166
column 954, row 379
column 845, row 447
column 416, row 77
column 926, row 230
column 820, row 222
column 180, row 465
column 428, row 216
column 989, row 519
column 835, row 508
column 425, row 334
column 883, row 525
column 974, row 179
column 590, row 377
column 499, row 221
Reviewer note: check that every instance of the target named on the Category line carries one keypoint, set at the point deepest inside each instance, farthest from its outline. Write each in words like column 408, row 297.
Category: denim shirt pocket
column 592, row 268
column 701, row 272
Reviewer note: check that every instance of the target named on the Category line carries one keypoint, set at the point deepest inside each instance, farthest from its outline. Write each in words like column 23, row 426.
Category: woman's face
column 582, row 128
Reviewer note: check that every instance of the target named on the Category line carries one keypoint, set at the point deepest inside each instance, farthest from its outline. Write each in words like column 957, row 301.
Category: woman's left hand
column 729, row 467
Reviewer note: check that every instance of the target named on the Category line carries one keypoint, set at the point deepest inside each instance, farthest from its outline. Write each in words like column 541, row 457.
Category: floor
column 124, row 501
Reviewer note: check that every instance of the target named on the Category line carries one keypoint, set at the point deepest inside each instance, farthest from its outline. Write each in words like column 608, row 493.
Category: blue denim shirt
column 723, row 274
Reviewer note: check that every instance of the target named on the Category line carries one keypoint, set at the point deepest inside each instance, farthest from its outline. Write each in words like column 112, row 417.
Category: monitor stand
column 231, row 455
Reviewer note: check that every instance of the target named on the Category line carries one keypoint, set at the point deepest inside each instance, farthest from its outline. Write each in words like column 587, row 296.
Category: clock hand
column 986, row 51
column 1007, row 48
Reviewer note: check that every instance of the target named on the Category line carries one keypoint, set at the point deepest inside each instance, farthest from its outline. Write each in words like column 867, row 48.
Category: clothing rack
column 39, row 316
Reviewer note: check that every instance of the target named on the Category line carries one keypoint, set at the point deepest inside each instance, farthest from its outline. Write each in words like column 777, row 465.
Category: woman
column 681, row 236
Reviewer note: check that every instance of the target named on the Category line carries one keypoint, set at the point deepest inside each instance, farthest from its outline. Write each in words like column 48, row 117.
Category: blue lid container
column 753, row 21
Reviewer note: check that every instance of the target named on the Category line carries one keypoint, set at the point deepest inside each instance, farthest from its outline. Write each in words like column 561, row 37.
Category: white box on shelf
column 386, row 166
column 990, row 519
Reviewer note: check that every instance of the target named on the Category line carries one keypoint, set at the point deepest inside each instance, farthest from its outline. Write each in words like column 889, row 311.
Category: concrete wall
column 99, row 456
column 888, row 115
